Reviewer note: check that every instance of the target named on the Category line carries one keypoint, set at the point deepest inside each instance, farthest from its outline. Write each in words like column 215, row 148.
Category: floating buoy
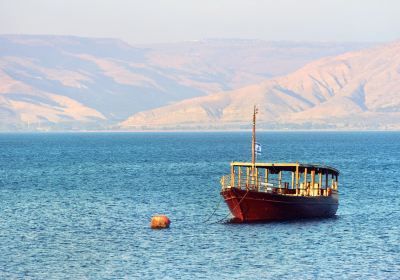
column 159, row 222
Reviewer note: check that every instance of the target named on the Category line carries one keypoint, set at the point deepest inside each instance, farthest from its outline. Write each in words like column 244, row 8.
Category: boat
column 257, row 192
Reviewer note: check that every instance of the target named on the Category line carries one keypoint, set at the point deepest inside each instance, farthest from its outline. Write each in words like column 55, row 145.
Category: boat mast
column 253, row 142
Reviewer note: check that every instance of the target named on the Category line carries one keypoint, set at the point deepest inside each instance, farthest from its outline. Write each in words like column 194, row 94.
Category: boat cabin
column 295, row 179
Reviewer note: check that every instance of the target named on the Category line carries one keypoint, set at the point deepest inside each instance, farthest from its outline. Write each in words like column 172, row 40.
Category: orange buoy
column 159, row 222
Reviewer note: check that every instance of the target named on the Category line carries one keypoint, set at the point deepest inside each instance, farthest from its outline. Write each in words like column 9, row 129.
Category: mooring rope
column 234, row 208
column 215, row 210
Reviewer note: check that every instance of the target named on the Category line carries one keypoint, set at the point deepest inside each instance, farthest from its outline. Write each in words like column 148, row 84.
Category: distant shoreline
column 198, row 131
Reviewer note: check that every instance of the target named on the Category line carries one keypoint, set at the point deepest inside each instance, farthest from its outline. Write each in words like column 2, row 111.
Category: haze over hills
column 66, row 82
column 355, row 90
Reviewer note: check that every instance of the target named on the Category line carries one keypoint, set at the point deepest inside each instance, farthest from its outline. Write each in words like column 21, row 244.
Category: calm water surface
column 78, row 206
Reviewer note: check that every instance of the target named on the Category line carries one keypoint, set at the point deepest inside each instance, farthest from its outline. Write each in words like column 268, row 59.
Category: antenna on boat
column 253, row 143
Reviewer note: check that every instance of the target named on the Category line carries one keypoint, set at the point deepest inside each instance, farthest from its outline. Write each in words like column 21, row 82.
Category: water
column 78, row 206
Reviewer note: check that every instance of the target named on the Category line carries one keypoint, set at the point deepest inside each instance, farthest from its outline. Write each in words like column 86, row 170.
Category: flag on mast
column 258, row 149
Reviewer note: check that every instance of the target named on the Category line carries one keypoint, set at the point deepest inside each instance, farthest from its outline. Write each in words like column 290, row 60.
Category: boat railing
column 253, row 183
column 257, row 183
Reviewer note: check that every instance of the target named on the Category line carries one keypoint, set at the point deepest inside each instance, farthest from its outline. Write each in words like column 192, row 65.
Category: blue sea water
column 78, row 206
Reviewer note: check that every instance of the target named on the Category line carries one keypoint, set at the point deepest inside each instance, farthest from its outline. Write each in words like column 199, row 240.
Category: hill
column 67, row 82
column 355, row 90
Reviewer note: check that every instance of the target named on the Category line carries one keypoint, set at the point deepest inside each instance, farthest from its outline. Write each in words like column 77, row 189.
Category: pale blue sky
column 150, row 21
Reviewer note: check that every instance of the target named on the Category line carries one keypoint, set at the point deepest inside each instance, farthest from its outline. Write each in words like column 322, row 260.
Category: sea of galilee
column 78, row 206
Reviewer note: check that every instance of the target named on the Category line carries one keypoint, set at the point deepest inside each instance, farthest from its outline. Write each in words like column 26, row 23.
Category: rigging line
column 220, row 220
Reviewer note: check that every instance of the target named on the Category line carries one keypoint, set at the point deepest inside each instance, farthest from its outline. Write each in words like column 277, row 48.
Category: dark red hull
column 260, row 206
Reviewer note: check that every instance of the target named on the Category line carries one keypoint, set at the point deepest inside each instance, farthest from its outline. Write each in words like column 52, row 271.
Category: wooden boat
column 279, row 191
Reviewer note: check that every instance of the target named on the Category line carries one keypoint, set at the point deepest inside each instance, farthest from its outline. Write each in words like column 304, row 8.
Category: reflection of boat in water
column 277, row 191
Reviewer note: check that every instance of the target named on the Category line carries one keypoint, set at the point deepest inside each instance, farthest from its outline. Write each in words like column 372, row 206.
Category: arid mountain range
column 354, row 90
column 75, row 83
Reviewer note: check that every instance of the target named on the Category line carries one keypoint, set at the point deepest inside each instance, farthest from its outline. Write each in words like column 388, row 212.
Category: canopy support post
column 280, row 179
column 319, row 182
column 292, row 180
column 297, row 179
column 239, row 177
column 232, row 176
column 247, row 178
column 312, row 190
column 305, row 182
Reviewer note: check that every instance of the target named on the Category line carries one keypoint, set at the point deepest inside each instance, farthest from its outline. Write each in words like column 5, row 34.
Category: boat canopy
column 302, row 179
column 276, row 167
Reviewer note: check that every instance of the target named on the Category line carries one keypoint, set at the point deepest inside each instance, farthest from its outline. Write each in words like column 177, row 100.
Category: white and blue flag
column 258, row 149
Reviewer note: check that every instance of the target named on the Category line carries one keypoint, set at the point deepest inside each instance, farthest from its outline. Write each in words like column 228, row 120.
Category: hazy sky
column 150, row 21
